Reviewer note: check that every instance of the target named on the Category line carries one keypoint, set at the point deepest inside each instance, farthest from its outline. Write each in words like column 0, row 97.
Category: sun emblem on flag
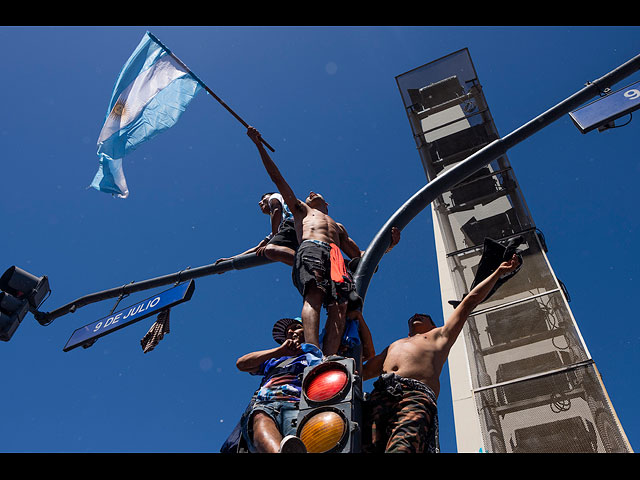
column 118, row 109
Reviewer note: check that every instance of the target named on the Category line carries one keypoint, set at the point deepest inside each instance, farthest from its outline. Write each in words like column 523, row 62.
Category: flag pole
column 155, row 39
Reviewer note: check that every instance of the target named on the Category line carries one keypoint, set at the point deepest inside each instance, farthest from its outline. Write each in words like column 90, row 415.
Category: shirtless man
column 319, row 272
column 410, row 368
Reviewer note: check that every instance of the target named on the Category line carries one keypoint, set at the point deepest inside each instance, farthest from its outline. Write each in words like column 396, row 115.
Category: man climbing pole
column 319, row 271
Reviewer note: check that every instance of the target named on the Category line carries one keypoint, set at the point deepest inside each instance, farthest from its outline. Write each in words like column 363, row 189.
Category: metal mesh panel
column 451, row 120
column 535, row 276
column 564, row 412
column 411, row 82
column 488, row 204
column 535, row 385
column 523, row 339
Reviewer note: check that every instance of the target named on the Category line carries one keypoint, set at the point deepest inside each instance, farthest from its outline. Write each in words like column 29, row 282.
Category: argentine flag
column 151, row 93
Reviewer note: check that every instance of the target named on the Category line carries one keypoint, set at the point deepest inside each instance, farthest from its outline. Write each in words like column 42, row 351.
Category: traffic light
column 21, row 292
column 330, row 407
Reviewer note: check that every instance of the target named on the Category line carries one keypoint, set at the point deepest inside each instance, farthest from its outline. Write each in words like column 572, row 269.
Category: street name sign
column 86, row 335
column 605, row 110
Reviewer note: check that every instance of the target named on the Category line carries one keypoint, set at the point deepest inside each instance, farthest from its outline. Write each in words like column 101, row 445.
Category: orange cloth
column 338, row 268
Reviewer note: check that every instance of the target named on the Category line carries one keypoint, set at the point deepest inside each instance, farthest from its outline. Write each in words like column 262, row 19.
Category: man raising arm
column 403, row 411
column 319, row 272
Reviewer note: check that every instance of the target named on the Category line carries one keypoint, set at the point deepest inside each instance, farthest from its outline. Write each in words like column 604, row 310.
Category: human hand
column 509, row 266
column 254, row 135
column 291, row 346
column 221, row 260
column 395, row 238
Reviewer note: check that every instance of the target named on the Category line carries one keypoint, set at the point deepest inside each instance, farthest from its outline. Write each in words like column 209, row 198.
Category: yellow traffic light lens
column 325, row 383
column 322, row 431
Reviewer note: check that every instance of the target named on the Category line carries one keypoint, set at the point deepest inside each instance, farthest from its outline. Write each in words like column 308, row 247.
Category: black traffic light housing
column 21, row 292
column 330, row 416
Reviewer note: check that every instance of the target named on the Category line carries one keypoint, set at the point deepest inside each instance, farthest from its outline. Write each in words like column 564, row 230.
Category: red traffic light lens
column 326, row 382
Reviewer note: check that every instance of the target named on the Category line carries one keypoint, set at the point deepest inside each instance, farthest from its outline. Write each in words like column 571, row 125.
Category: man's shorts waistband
column 318, row 242
column 389, row 381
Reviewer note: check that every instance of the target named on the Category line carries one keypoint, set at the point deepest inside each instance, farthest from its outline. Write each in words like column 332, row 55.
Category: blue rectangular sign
column 120, row 319
column 607, row 109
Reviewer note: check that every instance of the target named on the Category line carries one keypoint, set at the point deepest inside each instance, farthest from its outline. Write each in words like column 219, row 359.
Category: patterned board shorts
column 401, row 416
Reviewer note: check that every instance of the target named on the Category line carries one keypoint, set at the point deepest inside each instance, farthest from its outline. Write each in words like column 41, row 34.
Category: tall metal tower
column 522, row 379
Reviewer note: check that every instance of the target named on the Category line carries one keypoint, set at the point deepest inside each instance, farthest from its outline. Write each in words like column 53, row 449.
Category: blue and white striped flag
column 151, row 93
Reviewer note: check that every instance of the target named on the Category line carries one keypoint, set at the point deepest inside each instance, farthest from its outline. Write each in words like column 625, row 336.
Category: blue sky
column 326, row 99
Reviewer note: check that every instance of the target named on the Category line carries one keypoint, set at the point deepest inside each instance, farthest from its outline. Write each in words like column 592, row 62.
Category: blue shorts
column 284, row 414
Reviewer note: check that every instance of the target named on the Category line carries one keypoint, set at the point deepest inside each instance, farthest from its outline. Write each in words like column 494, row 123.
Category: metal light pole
column 400, row 218
column 239, row 263
column 374, row 252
